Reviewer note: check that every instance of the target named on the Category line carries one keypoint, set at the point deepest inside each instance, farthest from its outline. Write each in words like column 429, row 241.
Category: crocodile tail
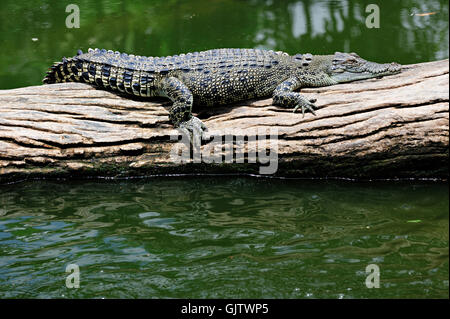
column 59, row 72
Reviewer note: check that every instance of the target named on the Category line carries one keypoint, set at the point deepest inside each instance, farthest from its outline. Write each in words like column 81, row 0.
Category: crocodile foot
column 306, row 104
column 193, row 128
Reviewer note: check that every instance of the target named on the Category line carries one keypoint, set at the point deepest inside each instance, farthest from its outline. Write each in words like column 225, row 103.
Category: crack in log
column 382, row 106
column 348, row 115
column 347, row 137
column 23, row 144
column 34, row 128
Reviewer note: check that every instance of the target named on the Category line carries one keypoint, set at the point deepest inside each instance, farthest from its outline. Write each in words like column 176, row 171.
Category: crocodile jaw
column 347, row 67
column 354, row 76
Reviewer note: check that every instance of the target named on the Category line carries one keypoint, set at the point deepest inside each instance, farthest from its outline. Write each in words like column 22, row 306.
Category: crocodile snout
column 389, row 68
column 395, row 67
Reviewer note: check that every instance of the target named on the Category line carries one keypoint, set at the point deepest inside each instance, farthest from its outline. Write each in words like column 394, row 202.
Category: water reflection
column 250, row 237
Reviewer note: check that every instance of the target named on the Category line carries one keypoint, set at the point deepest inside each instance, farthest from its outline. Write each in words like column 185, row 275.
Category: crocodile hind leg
column 180, row 113
column 284, row 96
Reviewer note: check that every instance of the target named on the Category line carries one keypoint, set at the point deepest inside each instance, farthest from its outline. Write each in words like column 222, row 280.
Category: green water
column 223, row 238
column 34, row 33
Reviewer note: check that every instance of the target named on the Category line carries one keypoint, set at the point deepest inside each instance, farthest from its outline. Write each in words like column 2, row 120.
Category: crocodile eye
column 339, row 70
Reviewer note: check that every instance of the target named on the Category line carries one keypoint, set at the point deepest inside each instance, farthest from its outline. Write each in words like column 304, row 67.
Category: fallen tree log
column 395, row 127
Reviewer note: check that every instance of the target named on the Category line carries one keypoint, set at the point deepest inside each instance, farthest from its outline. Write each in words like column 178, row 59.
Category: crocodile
column 215, row 77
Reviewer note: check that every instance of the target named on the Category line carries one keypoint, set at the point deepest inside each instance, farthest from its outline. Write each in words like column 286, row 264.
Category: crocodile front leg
column 180, row 113
column 285, row 96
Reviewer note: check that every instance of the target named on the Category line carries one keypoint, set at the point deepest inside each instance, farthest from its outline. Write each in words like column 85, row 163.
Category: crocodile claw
column 193, row 128
column 306, row 105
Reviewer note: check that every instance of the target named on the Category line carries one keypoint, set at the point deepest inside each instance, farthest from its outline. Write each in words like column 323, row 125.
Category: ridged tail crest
column 59, row 71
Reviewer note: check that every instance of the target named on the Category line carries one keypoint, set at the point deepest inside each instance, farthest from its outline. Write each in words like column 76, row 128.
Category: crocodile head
column 347, row 67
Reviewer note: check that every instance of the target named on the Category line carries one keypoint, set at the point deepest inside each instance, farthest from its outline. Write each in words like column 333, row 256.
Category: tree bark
column 394, row 127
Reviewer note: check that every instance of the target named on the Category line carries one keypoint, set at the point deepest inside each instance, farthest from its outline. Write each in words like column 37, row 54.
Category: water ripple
column 236, row 237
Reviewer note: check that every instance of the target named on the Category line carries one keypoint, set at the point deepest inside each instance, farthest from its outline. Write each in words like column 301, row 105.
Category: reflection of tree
column 426, row 38
column 168, row 27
